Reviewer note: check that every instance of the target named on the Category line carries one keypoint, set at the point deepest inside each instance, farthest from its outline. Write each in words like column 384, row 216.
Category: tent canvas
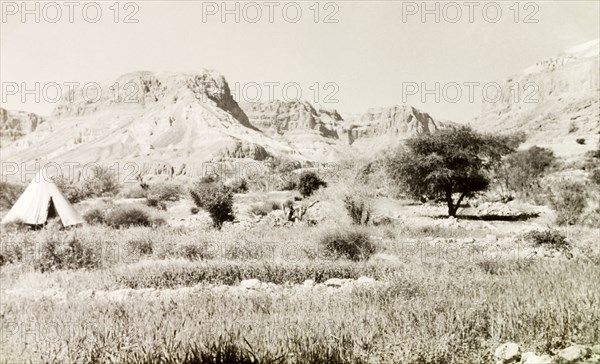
column 38, row 199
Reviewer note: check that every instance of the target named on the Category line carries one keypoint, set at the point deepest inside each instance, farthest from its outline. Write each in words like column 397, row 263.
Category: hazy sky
column 363, row 60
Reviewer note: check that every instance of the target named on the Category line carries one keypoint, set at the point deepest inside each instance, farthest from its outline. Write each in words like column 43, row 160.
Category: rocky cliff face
column 16, row 124
column 149, row 119
column 555, row 102
column 172, row 124
column 281, row 117
column 399, row 121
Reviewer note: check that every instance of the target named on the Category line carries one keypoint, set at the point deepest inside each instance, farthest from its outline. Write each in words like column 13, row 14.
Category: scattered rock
column 309, row 283
column 508, row 353
column 573, row 354
column 250, row 284
column 534, row 359
column 365, row 280
column 334, row 282
column 489, row 238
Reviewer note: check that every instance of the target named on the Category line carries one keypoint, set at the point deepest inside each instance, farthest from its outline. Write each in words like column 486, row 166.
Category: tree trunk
column 452, row 207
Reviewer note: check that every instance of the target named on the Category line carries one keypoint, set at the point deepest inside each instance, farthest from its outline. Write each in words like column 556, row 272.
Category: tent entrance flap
column 51, row 210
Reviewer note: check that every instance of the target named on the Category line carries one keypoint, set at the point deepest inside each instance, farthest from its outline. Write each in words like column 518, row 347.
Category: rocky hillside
column 16, row 124
column 556, row 102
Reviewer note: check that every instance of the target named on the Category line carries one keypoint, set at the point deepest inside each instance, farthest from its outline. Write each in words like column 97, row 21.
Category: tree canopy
column 448, row 162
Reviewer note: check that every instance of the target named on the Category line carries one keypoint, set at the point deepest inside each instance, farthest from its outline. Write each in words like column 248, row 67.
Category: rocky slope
column 172, row 123
column 555, row 102
column 160, row 122
column 16, row 124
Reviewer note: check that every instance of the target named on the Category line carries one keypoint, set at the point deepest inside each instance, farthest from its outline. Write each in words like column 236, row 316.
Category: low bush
column 128, row 216
column 358, row 207
column 548, row 238
column 595, row 176
column 580, row 141
column 95, row 216
column 139, row 247
column 309, row 182
column 264, row 208
column 159, row 194
column 194, row 252
column 522, row 170
column 239, row 185
column 194, row 210
column 568, row 199
column 354, row 244
column 9, row 193
column 103, row 183
column 65, row 252
column 216, row 198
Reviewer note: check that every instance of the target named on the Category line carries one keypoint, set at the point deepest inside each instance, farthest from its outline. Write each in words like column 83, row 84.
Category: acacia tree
column 454, row 161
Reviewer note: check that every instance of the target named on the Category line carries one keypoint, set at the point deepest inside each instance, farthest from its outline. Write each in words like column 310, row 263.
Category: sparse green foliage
column 456, row 160
column 568, row 199
column 309, row 182
column 354, row 244
column 216, row 198
column 522, row 170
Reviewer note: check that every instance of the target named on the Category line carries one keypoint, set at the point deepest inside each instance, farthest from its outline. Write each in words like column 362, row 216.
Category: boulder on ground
column 534, row 359
column 573, row 354
column 250, row 284
column 508, row 353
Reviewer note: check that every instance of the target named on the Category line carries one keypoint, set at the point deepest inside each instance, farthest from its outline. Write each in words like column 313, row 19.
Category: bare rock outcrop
column 16, row 124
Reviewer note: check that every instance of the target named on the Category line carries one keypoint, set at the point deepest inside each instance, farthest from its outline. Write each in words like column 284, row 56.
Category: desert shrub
column 9, row 193
column 548, row 238
column 135, row 191
column 353, row 244
column 309, row 182
column 568, row 199
column 103, row 183
column 128, row 216
column 95, row 216
column 522, row 170
column 74, row 192
column 580, row 141
column 194, row 252
column 595, row 176
column 239, row 185
column 573, row 127
column 216, row 198
column 159, row 194
column 194, row 210
column 140, row 247
column 65, row 253
column 358, row 207
column 264, row 208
